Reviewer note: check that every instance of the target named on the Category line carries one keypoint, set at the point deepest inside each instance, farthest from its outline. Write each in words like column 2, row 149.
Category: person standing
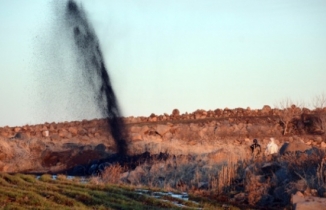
column 255, row 149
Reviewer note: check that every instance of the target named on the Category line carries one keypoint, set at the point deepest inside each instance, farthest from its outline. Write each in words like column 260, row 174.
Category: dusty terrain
column 204, row 151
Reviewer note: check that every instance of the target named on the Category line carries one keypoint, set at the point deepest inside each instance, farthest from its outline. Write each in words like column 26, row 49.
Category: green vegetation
column 21, row 191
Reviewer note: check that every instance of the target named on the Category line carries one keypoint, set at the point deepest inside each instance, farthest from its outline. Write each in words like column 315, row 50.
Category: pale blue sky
column 164, row 54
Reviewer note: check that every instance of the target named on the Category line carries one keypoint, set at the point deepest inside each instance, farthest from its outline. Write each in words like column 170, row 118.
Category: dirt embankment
column 220, row 134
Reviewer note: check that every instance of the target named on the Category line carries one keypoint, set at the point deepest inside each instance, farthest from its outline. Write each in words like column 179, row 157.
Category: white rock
column 308, row 202
column 323, row 145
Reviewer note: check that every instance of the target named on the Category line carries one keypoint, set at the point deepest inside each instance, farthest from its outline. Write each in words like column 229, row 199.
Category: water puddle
column 82, row 179
column 161, row 195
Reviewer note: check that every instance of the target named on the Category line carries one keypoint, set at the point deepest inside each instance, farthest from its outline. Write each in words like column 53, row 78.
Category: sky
column 162, row 55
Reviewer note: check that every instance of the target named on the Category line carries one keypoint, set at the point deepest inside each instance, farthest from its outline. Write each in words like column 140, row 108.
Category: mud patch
column 69, row 158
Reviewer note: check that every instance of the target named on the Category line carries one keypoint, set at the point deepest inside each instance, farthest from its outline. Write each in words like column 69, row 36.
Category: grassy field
column 21, row 191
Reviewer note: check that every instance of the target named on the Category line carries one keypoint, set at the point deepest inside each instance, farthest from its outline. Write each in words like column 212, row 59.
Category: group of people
column 271, row 148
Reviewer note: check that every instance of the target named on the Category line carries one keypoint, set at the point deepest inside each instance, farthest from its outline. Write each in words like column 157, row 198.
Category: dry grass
column 112, row 173
column 228, row 181
column 256, row 189
column 321, row 173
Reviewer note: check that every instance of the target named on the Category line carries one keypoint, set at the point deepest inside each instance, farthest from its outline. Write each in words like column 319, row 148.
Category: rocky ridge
column 56, row 146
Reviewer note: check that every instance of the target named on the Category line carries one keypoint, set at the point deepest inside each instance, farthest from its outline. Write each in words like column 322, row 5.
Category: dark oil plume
column 92, row 66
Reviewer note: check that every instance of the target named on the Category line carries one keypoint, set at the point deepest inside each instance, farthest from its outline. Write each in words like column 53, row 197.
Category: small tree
column 319, row 101
column 288, row 113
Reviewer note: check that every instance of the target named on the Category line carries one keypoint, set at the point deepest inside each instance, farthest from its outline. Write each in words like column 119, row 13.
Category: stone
column 175, row 112
column 136, row 137
column 144, row 129
column 301, row 185
column 309, row 142
column 52, row 127
column 301, row 202
column 26, row 135
column 266, row 109
column 82, row 132
column 4, row 134
column 100, row 148
column 63, row 133
column 162, row 129
column 38, row 134
column 91, row 130
column 298, row 193
column 134, row 129
column 240, row 197
column 323, row 145
column 17, row 129
column 202, row 132
column 318, row 139
column 73, row 130
column 37, row 128
column 247, row 140
column 293, row 147
column 45, row 133
column 152, row 119
column 55, row 137
column 310, row 205
column 167, row 136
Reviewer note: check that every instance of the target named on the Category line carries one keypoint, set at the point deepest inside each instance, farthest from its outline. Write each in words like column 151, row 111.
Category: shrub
column 112, row 174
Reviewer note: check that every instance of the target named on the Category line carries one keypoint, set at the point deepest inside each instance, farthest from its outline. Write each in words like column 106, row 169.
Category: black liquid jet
column 91, row 61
